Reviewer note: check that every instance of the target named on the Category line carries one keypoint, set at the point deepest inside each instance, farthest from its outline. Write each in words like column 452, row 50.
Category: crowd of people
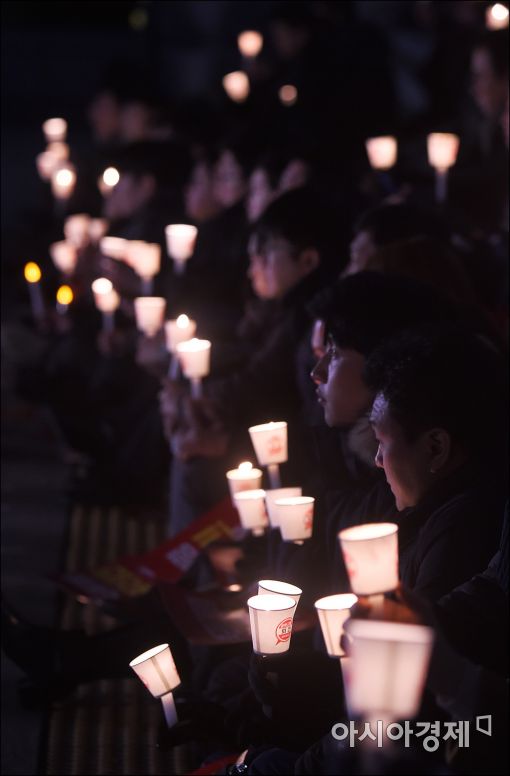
column 341, row 299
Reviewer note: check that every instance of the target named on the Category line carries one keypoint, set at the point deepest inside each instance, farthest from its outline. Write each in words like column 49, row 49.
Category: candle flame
column 102, row 286
column 65, row 295
column 182, row 321
column 64, row 177
column 499, row 13
column 32, row 272
column 111, row 176
column 245, row 466
column 250, row 43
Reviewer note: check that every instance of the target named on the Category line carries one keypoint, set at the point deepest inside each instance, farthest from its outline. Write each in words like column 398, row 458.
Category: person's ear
column 439, row 448
column 309, row 260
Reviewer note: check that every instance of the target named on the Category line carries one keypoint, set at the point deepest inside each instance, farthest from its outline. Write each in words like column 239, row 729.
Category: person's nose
column 379, row 458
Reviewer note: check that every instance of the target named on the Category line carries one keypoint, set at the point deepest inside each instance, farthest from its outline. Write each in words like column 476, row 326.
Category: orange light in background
column 65, row 295
column 32, row 272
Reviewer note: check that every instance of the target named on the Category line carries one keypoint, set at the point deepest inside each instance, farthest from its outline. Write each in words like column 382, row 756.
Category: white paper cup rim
column 247, row 495
column 367, row 532
column 336, row 603
column 293, row 501
column 270, row 426
column 270, row 603
column 149, row 654
column 265, row 584
column 382, row 630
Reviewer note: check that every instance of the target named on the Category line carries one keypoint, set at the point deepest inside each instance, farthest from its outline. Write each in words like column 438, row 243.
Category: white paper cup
column 274, row 587
column 252, row 512
column 371, row 557
column 180, row 241
column 195, row 358
column 64, row 256
column 333, row 611
column 106, row 298
column 149, row 314
column 442, row 149
column 381, row 152
column 272, row 496
column 179, row 330
column 295, row 517
column 243, row 479
column 113, row 247
column 270, row 442
column 156, row 669
column 271, row 619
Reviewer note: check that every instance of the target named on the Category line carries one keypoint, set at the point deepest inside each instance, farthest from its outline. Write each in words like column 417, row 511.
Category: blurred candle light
column 145, row 259
column 63, row 181
column 288, row 95
column 46, row 163
column 107, row 301
column 97, row 229
column 179, row 330
column 32, row 275
column 252, row 511
column 270, row 443
column 64, row 298
column 387, row 668
column 149, row 314
column 76, row 230
column 180, row 243
column 271, row 498
column 157, row 671
column 113, row 247
column 271, row 620
column 333, row 611
column 496, row 17
column 195, row 358
column 250, row 43
column 59, row 150
column 108, row 180
column 295, row 518
column 237, row 85
column 442, row 150
column 371, row 557
column 381, row 152
column 55, row 130
column 64, row 256
column 245, row 477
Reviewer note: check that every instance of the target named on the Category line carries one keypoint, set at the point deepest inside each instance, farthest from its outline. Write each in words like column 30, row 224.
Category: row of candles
column 385, row 669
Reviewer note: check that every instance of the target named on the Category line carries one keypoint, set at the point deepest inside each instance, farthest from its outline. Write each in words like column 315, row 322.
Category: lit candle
column 180, row 243
column 333, row 611
column 371, row 557
column 250, row 43
column 76, row 230
column 60, row 151
column 156, row 669
column 113, row 247
column 64, row 256
column 145, row 259
column 107, row 300
column 288, row 95
column 64, row 298
column 176, row 331
column 496, row 17
column 245, row 477
column 63, row 181
column 195, row 358
column 108, row 180
column 33, row 276
column 295, row 518
column 149, row 314
column 237, row 85
column 46, row 163
column 270, row 443
column 252, row 511
column 55, row 130
column 274, row 587
column 272, row 496
column 387, row 668
column 271, row 620
column 381, row 152
column 442, row 150
column 97, row 229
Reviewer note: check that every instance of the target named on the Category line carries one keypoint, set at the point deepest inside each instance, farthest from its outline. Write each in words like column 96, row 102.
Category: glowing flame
column 245, row 466
column 250, row 43
column 102, row 286
column 65, row 177
column 182, row 321
column 497, row 17
column 111, row 176
column 32, row 272
column 65, row 295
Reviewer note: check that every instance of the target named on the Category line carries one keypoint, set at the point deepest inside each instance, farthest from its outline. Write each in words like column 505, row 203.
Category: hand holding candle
column 195, row 359
column 442, row 150
column 180, row 243
column 156, row 670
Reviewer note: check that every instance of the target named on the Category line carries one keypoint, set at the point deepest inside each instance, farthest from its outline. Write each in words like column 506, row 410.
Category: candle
column 270, row 443
column 108, row 180
column 295, row 517
column 156, row 669
column 46, row 163
column 107, row 300
column 32, row 275
column 64, row 256
column 272, row 496
column 180, row 243
column 274, row 587
column 496, row 17
column 252, row 512
column 178, row 330
column 371, row 557
column 113, row 247
column 195, row 358
column 442, row 150
column 381, row 152
column 333, row 611
column 237, row 85
column 76, row 230
column 149, row 314
column 271, row 620
column 250, row 43
column 97, row 229
column 145, row 259
column 288, row 95
column 63, row 181
column 245, row 477
column 388, row 668
column 55, row 130
column 64, row 298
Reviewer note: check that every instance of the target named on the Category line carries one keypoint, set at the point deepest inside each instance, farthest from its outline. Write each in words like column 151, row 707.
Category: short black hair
column 448, row 378
column 389, row 223
column 364, row 309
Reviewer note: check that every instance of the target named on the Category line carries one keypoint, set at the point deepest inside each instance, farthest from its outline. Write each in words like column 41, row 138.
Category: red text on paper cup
column 283, row 630
column 274, row 446
column 308, row 520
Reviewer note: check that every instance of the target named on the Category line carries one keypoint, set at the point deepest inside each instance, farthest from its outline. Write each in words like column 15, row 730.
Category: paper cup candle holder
column 295, row 518
column 275, row 587
column 371, row 557
column 245, row 477
column 149, row 314
column 145, row 259
column 107, row 301
column 64, row 256
column 252, row 511
column 156, row 670
column 381, row 152
column 195, row 359
column 272, row 496
column 270, row 443
column 176, row 331
column 442, row 150
column 180, row 244
column 333, row 611
column 271, row 620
